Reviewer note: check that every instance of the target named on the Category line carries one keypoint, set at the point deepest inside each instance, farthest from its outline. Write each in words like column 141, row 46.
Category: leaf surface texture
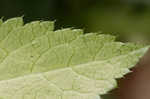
column 37, row 62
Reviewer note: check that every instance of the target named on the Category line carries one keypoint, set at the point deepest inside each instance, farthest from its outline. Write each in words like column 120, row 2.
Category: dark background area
column 128, row 19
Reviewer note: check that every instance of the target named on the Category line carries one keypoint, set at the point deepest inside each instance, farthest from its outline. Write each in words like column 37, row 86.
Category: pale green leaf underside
column 39, row 63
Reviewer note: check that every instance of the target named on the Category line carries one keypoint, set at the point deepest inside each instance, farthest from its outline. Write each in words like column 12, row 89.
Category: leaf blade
column 63, row 64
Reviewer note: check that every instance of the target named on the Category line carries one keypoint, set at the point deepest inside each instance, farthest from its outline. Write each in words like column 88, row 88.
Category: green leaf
column 8, row 26
column 22, row 35
column 1, row 21
column 39, row 63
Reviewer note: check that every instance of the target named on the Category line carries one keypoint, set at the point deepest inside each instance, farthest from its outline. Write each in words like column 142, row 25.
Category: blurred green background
column 128, row 19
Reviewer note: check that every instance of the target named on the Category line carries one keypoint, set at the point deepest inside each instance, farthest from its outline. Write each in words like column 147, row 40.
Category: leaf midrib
column 77, row 66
